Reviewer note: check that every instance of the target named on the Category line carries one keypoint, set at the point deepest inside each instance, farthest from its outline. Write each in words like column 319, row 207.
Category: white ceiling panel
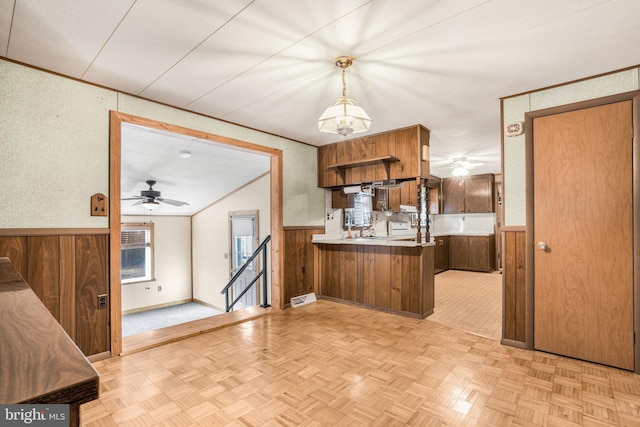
column 269, row 64
column 261, row 31
column 155, row 36
column 212, row 171
column 63, row 35
column 6, row 15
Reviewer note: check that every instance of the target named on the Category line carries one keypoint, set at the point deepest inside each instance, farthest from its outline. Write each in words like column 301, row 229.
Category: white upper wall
column 514, row 110
column 54, row 141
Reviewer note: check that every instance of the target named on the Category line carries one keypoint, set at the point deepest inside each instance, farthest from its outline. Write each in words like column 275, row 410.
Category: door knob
column 543, row 246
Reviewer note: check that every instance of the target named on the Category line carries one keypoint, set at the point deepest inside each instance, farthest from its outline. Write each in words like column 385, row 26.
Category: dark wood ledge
column 39, row 363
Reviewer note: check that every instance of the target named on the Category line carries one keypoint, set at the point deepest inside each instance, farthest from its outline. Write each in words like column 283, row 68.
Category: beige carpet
column 469, row 301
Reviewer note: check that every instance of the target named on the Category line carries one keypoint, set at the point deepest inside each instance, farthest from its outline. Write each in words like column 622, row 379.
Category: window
column 244, row 250
column 136, row 253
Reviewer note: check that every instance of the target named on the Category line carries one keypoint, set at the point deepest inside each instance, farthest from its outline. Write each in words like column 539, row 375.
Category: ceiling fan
column 461, row 166
column 151, row 199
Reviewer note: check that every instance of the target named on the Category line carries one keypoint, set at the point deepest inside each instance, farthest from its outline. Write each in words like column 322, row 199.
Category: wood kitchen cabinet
column 441, row 259
column 399, row 154
column 473, row 194
column 459, row 252
column 452, row 195
column 475, row 253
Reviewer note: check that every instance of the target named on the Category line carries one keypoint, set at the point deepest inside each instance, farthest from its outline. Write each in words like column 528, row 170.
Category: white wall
column 463, row 223
column 211, row 239
column 172, row 264
column 54, row 140
column 514, row 109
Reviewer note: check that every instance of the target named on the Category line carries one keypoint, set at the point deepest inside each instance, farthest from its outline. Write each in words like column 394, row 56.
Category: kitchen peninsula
column 381, row 273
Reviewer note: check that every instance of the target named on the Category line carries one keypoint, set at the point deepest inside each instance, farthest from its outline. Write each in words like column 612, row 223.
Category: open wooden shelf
column 365, row 162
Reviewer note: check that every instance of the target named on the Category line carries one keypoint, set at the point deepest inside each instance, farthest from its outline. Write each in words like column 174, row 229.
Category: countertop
column 374, row 241
column 460, row 233
column 38, row 361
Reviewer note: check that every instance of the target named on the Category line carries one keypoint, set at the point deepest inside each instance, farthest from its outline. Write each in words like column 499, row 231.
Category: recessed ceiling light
column 185, row 154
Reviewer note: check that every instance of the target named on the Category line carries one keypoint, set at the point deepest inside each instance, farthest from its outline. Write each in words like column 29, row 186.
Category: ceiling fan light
column 151, row 205
column 460, row 171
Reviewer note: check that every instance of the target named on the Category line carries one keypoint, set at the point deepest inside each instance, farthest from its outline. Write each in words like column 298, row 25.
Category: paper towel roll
column 352, row 189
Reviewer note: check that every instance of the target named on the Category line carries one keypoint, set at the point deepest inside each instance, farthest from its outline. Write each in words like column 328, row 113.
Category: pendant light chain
column 344, row 95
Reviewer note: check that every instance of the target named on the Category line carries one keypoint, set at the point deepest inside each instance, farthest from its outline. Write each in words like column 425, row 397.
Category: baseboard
column 99, row 356
column 513, row 343
column 166, row 304
column 208, row 305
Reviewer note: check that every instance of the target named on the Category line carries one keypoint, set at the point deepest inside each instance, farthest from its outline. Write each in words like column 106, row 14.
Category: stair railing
column 262, row 273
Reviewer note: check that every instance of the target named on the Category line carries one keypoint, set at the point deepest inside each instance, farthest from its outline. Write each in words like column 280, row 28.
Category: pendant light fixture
column 344, row 116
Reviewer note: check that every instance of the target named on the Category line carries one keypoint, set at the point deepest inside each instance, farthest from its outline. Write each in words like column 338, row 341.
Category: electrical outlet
column 159, row 288
column 102, row 301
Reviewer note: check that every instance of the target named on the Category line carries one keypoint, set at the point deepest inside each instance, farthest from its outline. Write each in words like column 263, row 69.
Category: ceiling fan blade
column 132, row 198
column 139, row 202
column 171, row 202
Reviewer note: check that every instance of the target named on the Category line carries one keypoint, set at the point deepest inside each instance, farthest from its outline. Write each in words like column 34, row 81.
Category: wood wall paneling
column 428, row 285
column 368, row 274
column 382, row 274
column 327, row 177
column 43, row 270
column 67, row 272
column 406, row 147
column 68, row 285
column 382, row 277
column 395, row 274
column 410, row 270
column 350, row 273
column 92, row 280
column 514, row 279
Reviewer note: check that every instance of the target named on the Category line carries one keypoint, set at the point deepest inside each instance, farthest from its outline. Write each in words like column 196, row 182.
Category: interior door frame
column 633, row 96
column 115, row 159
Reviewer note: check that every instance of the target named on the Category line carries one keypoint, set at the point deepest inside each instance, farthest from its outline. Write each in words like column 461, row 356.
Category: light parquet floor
column 469, row 301
column 334, row 364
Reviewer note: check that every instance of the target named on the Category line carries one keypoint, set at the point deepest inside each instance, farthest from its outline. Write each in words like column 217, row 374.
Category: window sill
column 133, row 282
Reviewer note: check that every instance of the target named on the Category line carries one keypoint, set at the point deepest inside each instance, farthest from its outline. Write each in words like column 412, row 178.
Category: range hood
column 389, row 183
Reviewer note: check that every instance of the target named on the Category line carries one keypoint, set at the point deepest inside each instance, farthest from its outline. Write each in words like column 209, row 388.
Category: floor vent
column 302, row 300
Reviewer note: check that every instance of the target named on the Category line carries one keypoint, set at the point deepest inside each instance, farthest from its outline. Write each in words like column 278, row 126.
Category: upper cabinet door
column 472, row 194
column 452, row 196
column 478, row 194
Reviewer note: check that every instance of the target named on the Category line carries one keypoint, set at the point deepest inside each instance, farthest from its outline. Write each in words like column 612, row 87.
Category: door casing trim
column 115, row 158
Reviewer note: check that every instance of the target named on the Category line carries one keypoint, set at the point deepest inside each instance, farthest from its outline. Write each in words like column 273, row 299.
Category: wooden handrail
column 39, row 363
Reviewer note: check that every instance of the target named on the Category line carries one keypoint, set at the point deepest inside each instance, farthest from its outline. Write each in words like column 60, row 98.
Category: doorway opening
column 201, row 245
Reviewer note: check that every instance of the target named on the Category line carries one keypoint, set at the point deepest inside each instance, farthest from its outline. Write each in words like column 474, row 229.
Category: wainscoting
column 67, row 269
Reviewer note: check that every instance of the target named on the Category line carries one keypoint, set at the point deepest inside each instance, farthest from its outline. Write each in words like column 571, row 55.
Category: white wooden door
column 243, row 243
